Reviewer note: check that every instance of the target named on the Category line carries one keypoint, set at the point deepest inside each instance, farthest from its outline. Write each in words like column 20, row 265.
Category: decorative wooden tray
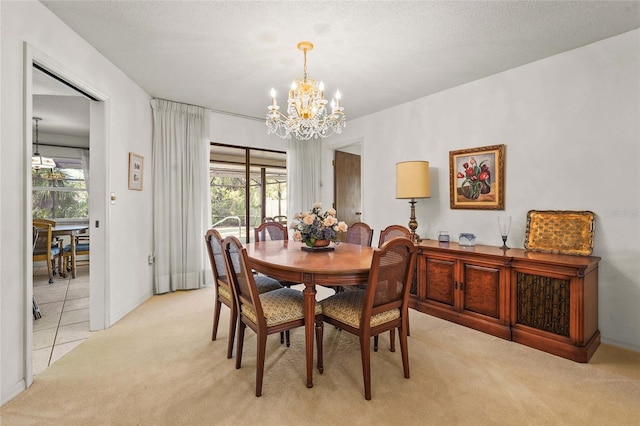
column 560, row 231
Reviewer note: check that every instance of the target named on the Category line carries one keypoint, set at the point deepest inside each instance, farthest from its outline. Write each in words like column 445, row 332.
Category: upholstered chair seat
column 280, row 306
column 347, row 307
column 266, row 284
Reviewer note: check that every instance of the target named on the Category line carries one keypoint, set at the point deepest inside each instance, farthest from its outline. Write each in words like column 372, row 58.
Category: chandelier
column 307, row 116
column 38, row 161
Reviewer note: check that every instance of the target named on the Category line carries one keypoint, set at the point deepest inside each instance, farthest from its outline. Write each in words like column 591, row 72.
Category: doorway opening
column 47, row 98
column 60, row 193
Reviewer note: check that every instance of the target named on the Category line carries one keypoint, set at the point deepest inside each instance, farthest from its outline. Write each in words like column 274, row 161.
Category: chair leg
column 262, row 345
column 287, row 338
column 281, row 337
column 241, row 328
column 392, row 338
column 365, row 352
column 50, row 271
column 404, row 349
column 375, row 343
column 233, row 322
column 319, row 341
column 216, row 319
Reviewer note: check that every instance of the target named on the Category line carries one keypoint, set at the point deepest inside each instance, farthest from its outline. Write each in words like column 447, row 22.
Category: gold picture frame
column 476, row 178
column 136, row 171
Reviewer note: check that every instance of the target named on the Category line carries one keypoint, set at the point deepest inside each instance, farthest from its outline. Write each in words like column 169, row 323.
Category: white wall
column 232, row 130
column 128, row 222
column 570, row 124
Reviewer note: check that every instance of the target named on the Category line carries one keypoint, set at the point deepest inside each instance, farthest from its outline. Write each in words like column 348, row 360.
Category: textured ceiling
column 226, row 55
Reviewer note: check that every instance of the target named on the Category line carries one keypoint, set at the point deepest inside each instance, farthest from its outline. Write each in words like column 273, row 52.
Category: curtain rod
column 233, row 114
column 62, row 146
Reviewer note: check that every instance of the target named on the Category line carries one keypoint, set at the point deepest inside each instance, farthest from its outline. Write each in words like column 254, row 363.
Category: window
column 60, row 193
column 247, row 186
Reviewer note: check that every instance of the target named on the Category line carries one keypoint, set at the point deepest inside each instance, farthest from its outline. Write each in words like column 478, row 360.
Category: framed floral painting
column 476, row 178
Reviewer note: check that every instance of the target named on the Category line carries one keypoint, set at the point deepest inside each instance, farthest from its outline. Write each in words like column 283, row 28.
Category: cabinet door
column 480, row 287
column 440, row 281
column 543, row 303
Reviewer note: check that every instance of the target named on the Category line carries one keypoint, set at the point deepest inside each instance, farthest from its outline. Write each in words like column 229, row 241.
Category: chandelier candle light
column 307, row 116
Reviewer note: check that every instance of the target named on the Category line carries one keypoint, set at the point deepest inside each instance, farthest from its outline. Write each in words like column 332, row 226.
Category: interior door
column 346, row 181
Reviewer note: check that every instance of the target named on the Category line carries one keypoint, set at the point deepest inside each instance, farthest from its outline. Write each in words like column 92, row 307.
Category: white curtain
column 84, row 155
column 181, row 199
column 303, row 175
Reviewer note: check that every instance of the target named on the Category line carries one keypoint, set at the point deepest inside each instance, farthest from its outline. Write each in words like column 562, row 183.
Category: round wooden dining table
column 345, row 265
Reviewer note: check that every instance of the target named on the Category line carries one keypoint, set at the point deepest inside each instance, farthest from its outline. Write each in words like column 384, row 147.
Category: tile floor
column 65, row 315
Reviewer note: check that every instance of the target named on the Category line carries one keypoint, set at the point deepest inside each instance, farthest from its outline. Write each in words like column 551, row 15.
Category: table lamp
column 412, row 181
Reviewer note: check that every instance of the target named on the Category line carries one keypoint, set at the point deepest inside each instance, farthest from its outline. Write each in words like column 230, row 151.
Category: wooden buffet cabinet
column 546, row 301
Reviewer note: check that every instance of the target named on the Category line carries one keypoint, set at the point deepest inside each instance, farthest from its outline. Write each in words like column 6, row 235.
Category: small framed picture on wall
column 476, row 178
column 136, row 171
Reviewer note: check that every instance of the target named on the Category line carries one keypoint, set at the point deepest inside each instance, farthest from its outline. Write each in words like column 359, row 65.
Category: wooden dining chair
column 82, row 249
column 224, row 294
column 270, row 231
column 359, row 233
column 264, row 313
column 382, row 307
column 393, row 231
column 46, row 248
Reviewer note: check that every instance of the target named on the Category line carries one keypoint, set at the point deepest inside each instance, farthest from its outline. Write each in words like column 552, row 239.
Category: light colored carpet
column 158, row 366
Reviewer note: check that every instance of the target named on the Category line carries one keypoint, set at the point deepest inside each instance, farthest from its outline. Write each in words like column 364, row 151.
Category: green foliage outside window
column 228, row 199
column 59, row 193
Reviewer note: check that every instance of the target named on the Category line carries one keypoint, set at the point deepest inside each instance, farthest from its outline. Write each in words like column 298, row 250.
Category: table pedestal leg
column 309, row 327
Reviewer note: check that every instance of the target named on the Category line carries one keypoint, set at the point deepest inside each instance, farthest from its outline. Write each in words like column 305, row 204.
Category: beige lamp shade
column 412, row 179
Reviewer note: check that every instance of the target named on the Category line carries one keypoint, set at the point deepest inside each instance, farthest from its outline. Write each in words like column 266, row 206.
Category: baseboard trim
column 13, row 391
column 127, row 309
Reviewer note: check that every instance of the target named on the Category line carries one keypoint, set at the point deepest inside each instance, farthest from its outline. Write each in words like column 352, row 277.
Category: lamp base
column 413, row 223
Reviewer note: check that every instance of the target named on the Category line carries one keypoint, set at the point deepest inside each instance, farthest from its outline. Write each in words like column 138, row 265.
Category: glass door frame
column 247, row 175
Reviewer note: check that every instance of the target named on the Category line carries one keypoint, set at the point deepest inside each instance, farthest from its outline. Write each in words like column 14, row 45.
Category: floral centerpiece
column 477, row 179
column 317, row 227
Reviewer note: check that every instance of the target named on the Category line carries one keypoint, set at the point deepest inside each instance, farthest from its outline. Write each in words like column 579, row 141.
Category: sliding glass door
column 248, row 186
